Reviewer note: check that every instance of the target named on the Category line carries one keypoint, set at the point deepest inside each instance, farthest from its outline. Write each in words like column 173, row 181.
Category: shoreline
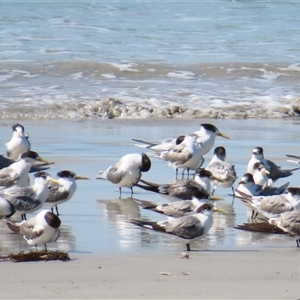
column 253, row 274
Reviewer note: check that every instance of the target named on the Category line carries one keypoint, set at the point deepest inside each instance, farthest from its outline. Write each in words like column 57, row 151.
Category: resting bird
column 284, row 223
column 63, row 190
column 19, row 142
column 199, row 187
column 269, row 206
column 37, row 163
column 189, row 228
column 39, row 230
column 275, row 172
column 127, row 171
column 174, row 209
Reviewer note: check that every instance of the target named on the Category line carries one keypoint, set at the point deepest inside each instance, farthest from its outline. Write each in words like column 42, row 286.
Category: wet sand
column 113, row 258
column 260, row 274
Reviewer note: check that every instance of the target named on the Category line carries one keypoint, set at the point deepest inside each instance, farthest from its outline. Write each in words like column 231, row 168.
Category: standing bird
column 39, row 230
column 187, row 154
column 63, row 190
column 19, row 142
column 206, row 136
column 275, row 171
column 260, row 175
column 222, row 169
column 31, row 198
column 127, row 171
column 189, row 228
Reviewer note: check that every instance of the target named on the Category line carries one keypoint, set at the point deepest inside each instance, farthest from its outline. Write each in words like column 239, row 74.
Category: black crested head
column 14, row 127
column 203, row 173
column 294, row 190
column 204, row 207
column 220, row 151
column 258, row 150
column 247, row 177
column 41, row 174
column 146, row 163
column 32, row 154
column 52, row 219
column 180, row 139
column 209, row 127
column 66, row 174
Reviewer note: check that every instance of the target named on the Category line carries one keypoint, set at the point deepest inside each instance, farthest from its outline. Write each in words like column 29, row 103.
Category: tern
column 187, row 154
column 31, row 198
column 19, row 142
column 174, row 209
column 205, row 136
column 39, row 230
column 199, row 187
column 270, row 206
column 275, row 172
column 189, row 228
column 284, row 223
column 222, row 169
column 63, row 190
column 127, row 171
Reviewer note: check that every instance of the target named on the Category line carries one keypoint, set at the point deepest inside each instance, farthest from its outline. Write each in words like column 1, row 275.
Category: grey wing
column 55, row 194
column 178, row 208
column 20, row 198
column 179, row 155
column 27, row 229
column 275, row 204
column 7, row 178
column 114, row 175
column 5, row 162
column 185, row 227
column 221, row 169
column 291, row 222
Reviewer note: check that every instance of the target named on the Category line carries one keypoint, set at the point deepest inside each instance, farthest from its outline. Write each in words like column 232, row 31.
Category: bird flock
column 188, row 212
column 19, row 197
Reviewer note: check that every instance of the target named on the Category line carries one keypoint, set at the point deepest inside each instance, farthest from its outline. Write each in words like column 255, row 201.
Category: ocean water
column 144, row 59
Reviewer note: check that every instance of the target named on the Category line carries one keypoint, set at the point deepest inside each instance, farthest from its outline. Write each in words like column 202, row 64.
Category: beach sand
column 112, row 259
column 261, row 274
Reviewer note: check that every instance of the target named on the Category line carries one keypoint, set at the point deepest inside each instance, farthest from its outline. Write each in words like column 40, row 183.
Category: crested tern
column 189, row 228
column 187, row 154
column 270, row 206
column 39, row 230
column 205, row 136
column 199, row 187
column 284, row 223
column 63, row 190
column 275, row 171
column 31, row 198
column 174, row 209
column 222, row 169
column 127, row 171
column 19, row 142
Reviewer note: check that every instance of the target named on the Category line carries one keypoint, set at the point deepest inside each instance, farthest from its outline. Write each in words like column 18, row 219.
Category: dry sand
column 255, row 274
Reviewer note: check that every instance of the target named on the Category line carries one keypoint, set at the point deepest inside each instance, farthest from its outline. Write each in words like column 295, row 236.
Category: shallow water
column 95, row 220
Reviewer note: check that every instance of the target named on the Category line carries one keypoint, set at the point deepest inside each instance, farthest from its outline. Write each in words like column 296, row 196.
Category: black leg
column 120, row 193
column 188, row 247
column 57, row 213
column 131, row 192
column 233, row 195
column 297, row 241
